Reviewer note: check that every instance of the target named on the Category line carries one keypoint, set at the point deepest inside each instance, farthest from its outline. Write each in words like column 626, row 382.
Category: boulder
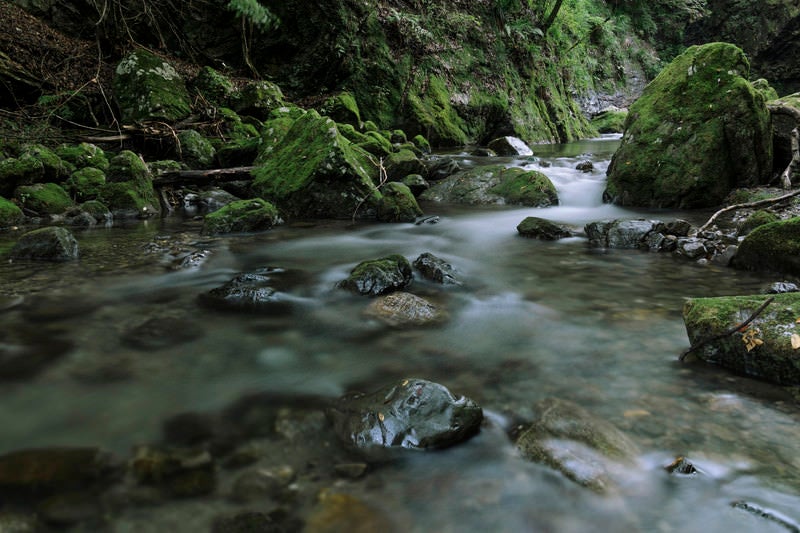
column 83, row 155
column 764, row 350
column 698, row 131
column 411, row 414
column 147, row 88
column 258, row 99
column 128, row 191
column 261, row 291
column 402, row 163
column 543, row 229
column 342, row 108
column 510, row 146
column 85, row 184
column 397, row 204
column 315, row 172
column 195, row 150
column 214, row 86
column 400, row 309
column 621, row 233
column 568, row 438
column 436, row 269
column 10, row 213
column 46, row 244
column 242, row 216
column 379, row 276
column 772, row 247
column 43, row 198
column 495, row 184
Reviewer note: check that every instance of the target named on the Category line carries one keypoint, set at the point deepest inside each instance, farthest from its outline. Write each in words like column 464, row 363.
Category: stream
column 532, row 320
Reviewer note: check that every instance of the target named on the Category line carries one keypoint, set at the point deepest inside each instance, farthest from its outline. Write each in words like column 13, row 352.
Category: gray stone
column 510, row 146
column 436, row 269
column 46, row 244
column 540, row 228
column 404, row 309
column 379, row 276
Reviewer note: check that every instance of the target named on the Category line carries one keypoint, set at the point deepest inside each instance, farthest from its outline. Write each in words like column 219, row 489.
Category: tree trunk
column 552, row 17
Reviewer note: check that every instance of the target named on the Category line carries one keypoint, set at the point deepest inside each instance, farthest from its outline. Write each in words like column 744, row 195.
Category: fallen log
column 203, row 177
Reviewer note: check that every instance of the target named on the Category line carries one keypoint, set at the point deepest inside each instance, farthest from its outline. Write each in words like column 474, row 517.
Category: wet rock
column 619, row 233
column 681, row 466
column 379, row 276
column 17, row 522
column 678, row 227
column 566, row 437
column 46, row 244
column 263, row 484
column 540, row 228
column 725, row 257
column 584, row 166
column 412, row 413
column 404, row 309
column 495, row 184
column 45, row 471
column 161, row 332
column 242, row 216
column 261, row 291
column 782, row 286
column 416, row 184
column 10, row 301
column 344, row 512
column 771, row 248
column 692, row 248
column 180, row 473
column 773, row 358
column 768, row 515
column 483, row 152
column 436, row 269
column 350, row 470
column 439, row 168
column 402, row 163
column 510, row 146
column 397, row 204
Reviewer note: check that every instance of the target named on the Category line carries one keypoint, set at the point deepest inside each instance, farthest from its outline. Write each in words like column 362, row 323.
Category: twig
column 731, row 331
column 757, row 203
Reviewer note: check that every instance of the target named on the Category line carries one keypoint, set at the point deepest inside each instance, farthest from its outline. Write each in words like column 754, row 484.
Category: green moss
column 148, row 88
column 85, row 184
column 530, row 188
column 10, row 213
column 767, row 92
column 97, row 210
column 772, row 247
column 129, row 191
column 127, row 166
column 259, row 99
column 434, row 116
column 164, row 166
column 342, row 108
column 376, row 144
column 610, row 121
column 400, row 164
column 55, row 168
column 83, row 155
column 397, row 204
column 698, row 131
column 272, row 135
column 213, row 86
column 241, row 216
column 758, row 218
column 422, row 143
column 23, row 171
column 43, row 198
column 195, row 150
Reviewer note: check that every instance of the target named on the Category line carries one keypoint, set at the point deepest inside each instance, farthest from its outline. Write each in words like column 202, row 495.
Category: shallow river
column 532, row 320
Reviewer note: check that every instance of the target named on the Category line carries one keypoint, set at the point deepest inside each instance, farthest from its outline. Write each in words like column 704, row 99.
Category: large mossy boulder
column 379, row 276
column 495, row 184
column 85, row 184
column 315, row 172
column 10, row 213
column 773, row 247
column 83, row 155
column 148, row 88
column 258, row 99
column 128, row 191
column 242, row 216
column 195, row 150
column 764, row 349
column 43, row 198
column 698, row 131
column 397, row 204
column 542, row 229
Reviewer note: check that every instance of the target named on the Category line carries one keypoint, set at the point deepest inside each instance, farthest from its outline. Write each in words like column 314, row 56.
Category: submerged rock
column 242, row 216
column 180, row 473
column 568, row 438
column 379, row 276
column 404, row 309
column 540, row 228
column 336, row 511
column 46, row 244
column 765, row 350
column 261, row 291
column 413, row 414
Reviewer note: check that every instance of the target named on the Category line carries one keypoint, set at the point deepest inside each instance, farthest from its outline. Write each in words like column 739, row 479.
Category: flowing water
column 601, row 328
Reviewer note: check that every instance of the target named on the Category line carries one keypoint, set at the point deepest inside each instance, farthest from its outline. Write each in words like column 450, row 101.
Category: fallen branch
column 731, row 331
column 757, row 203
column 203, row 177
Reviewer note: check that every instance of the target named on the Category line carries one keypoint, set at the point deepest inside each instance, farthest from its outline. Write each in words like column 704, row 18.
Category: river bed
column 601, row 328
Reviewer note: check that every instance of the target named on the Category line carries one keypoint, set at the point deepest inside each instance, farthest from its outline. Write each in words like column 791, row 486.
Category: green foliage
column 254, row 12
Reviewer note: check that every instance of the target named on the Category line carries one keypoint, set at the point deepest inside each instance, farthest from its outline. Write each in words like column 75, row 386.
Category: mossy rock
column 83, row 155
column 85, row 183
column 55, row 169
column 767, row 91
column 195, row 150
column 758, row 218
column 495, row 184
column 379, row 276
column 10, row 213
column 342, row 108
column 97, row 210
column 422, row 143
column 400, row 164
column 772, row 359
column 272, row 134
column 46, row 244
column 148, row 88
column 19, row 171
column 698, row 131
column 127, row 166
column 431, row 113
column 43, row 198
column 376, row 144
column 214, row 86
column 314, row 172
column 773, row 247
column 610, row 121
column 542, row 229
column 164, row 166
column 259, row 99
column 128, row 191
column 242, row 216
column 397, row 204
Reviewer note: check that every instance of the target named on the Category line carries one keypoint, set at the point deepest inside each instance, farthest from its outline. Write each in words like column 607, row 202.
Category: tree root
column 758, row 203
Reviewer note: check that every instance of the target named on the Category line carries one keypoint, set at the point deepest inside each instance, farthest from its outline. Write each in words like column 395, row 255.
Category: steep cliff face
column 767, row 30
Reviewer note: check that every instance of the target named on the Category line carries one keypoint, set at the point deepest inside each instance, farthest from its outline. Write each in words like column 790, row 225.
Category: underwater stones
column 161, row 332
column 542, row 229
column 148, row 88
column 260, row 291
column 397, row 204
column 773, row 358
column 411, row 414
column 25, row 351
column 242, row 216
column 337, row 511
column 259, row 484
column 698, row 131
column 178, row 472
column 772, row 247
column 400, row 309
column 10, row 213
column 44, row 471
column 436, row 269
column 510, row 146
column 495, row 184
column 566, row 437
column 315, row 172
column 46, row 244
column 379, row 276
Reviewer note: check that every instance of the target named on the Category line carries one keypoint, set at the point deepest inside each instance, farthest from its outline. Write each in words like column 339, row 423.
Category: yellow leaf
column 381, row 417
column 797, row 321
column 795, row 341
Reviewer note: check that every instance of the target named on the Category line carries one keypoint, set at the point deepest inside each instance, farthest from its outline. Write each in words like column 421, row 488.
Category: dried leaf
column 381, row 417
column 795, row 341
column 797, row 321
